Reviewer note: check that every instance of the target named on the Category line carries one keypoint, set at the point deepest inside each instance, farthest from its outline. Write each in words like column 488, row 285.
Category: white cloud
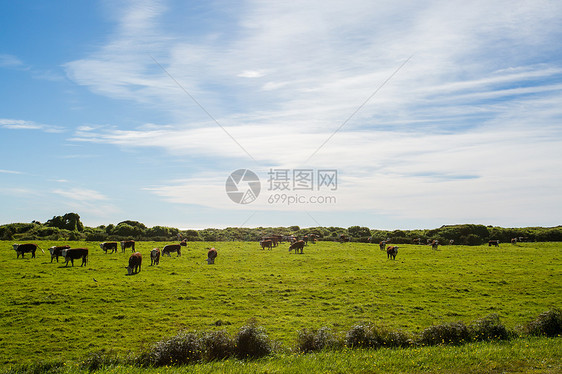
column 80, row 194
column 10, row 61
column 467, row 123
column 16, row 124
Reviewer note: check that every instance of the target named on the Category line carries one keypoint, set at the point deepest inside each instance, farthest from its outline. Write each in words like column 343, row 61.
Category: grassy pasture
column 48, row 311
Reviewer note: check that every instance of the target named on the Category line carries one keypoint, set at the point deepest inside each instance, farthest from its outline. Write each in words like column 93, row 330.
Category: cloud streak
column 474, row 109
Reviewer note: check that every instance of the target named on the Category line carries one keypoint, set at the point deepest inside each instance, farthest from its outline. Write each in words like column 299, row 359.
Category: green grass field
column 48, row 311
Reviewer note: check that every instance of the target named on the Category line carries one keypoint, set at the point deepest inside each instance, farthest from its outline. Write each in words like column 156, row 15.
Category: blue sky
column 432, row 113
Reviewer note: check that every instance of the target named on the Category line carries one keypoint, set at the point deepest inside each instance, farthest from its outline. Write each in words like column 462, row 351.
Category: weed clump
column 548, row 323
column 310, row 340
column 184, row 348
column 489, row 328
column 372, row 336
column 454, row 333
column 218, row 345
column 252, row 342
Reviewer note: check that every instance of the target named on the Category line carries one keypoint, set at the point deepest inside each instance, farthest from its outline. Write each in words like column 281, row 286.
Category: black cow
column 135, row 262
column 296, row 246
column 494, row 243
column 21, row 249
column 72, row 254
column 105, row 246
column 168, row 249
column 127, row 244
column 56, row 251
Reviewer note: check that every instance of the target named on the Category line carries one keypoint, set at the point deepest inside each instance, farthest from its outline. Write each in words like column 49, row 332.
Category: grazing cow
column 57, row 251
column 297, row 246
column 382, row 245
column 266, row 244
column 494, row 243
column 155, row 256
column 513, row 241
column 312, row 238
column 135, row 262
column 168, row 249
column 343, row 238
column 183, row 243
column 451, row 242
column 435, row 244
column 273, row 240
column 72, row 254
column 211, row 255
column 392, row 251
column 22, row 249
column 105, row 246
column 127, row 244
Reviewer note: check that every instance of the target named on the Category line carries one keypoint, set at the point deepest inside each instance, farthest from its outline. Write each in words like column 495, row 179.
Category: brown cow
column 105, row 246
column 382, row 245
column 155, row 256
column 72, row 254
column 21, row 249
column 392, row 251
column 168, row 249
column 211, row 255
column 266, row 244
column 135, row 262
column 183, row 243
column 127, row 244
column 57, row 251
column 435, row 244
column 296, row 246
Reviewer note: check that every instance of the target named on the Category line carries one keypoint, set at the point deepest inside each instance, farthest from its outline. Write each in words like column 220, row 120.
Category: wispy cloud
column 10, row 171
column 10, row 61
column 17, row 124
column 80, row 194
column 474, row 109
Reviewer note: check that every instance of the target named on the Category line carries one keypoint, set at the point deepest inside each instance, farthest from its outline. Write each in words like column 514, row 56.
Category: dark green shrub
column 372, row 336
column 548, row 323
column 218, row 345
column 489, row 328
column 252, row 342
column 454, row 333
column 184, row 348
column 358, row 336
column 309, row 340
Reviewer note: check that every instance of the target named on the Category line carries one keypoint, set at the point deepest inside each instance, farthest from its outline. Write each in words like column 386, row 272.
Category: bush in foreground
column 372, row 336
column 454, row 333
column 489, row 328
column 547, row 324
column 252, row 342
column 310, row 340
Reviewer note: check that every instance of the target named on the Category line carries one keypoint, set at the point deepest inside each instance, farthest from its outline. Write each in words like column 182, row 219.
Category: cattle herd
column 135, row 260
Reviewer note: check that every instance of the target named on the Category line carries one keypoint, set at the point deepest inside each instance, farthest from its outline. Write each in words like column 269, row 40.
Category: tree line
column 69, row 227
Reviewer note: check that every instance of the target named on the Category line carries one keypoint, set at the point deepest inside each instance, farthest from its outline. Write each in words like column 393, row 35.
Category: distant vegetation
column 69, row 227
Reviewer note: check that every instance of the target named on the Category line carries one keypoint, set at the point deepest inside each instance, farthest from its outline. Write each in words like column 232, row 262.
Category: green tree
column 70, row 221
